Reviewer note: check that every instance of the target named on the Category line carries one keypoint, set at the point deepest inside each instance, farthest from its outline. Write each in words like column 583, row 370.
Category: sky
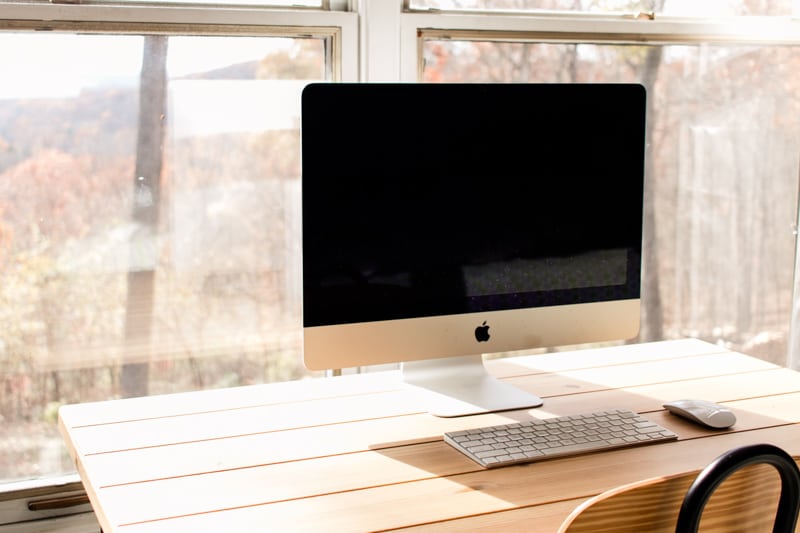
column 47, row 65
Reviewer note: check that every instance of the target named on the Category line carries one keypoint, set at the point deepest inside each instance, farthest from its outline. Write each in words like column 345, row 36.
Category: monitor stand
column 459, row 386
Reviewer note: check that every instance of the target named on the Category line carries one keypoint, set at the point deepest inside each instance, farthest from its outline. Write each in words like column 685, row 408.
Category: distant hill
column 239, row 71
column 99, row 121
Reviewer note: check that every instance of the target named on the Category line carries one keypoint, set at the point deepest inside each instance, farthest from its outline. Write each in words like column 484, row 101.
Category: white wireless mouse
column 703, row 412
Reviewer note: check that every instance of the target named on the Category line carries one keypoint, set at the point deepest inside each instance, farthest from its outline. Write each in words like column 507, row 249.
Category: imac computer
column 446, row 221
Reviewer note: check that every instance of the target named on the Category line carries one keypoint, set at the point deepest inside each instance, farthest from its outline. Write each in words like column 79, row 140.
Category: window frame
column 39, row 499
column 417, row 26
column 373, row 41
column 338, row 28
column 21, row 501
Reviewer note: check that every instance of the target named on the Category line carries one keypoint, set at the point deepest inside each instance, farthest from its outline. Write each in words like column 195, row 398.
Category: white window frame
column 24, row 504
column 339, row 27
column 414, row 26
column 392, row 35
column 374, row 41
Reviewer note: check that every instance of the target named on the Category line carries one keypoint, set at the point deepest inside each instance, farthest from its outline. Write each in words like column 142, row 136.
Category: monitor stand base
column 459, row 386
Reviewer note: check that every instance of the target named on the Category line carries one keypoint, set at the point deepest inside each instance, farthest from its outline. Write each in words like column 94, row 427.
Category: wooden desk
column 355, row 453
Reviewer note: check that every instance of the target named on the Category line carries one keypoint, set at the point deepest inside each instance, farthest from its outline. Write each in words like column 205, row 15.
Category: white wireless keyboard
column 534, row 440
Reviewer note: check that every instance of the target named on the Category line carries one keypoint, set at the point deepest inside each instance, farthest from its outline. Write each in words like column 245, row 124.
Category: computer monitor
column 446, row 221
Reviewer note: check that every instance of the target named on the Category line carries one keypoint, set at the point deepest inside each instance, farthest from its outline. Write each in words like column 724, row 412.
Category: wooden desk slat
column 357, row 453
column 534, row 518
column 626, row 354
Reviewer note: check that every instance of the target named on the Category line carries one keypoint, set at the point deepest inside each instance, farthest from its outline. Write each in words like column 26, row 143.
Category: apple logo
column 482, row 332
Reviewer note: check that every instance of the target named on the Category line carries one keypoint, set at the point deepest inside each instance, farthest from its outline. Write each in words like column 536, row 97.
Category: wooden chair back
column 745, row 502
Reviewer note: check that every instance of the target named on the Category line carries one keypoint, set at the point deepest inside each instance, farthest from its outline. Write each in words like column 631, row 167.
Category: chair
column 740, row 491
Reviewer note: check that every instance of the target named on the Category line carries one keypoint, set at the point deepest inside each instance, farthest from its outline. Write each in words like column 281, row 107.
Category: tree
column 147, row 202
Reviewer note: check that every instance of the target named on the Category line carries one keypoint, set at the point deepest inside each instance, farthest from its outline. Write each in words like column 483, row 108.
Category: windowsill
column 37, row 499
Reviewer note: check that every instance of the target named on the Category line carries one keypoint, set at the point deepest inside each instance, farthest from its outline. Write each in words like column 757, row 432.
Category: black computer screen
column 434, row 199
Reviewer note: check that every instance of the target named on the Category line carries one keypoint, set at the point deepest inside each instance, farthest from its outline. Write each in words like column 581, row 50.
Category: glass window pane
column 302, row 4
column 722, row 173
column 274, row 3
column 684, row 8
column 149, row 222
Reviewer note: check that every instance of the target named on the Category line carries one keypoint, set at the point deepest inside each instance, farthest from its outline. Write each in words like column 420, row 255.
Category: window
column 724, row 130
column 149, row 209
column 149, row 175
column 722, row 166
column 150, row 263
